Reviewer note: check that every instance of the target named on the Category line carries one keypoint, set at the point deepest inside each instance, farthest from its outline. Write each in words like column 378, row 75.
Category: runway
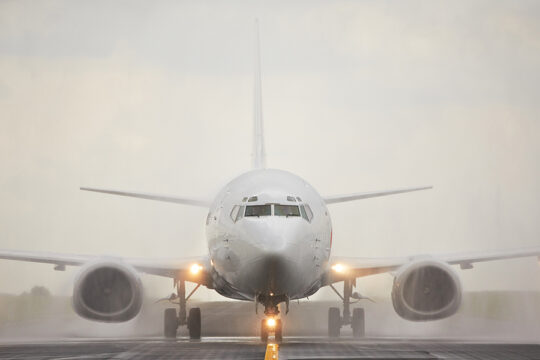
column 244, row 348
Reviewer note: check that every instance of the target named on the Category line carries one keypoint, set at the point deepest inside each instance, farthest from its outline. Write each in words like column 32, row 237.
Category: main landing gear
column 171, row 321
column 357, row 320
column 271, row 324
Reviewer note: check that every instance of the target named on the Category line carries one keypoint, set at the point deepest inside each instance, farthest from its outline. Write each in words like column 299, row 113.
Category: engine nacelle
column 426, row 290
column 107, row 290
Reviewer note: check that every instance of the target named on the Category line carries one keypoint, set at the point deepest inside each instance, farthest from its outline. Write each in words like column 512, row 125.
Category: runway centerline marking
column 272, row 352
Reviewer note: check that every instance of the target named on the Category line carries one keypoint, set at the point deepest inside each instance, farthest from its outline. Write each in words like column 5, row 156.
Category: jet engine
column 426, row 290
column 108, row 291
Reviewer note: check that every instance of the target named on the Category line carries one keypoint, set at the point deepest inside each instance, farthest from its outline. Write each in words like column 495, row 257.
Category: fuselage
column 269, row 232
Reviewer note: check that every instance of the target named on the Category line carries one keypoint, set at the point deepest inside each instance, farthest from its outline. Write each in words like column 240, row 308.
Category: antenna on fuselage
column 258, row 156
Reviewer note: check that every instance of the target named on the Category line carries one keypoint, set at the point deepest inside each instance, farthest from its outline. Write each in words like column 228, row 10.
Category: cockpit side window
column 258, row 210
column 303, row 213
column 240, row 213
column 309, row 213
column 234, row 212
column 286, row 210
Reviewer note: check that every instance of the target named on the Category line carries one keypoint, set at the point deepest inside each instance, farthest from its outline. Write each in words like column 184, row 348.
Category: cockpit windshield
column 258, row 210
column 286, row 210
column 296, row 209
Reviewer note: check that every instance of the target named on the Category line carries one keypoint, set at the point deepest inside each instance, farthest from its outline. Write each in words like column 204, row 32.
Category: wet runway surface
column 251, row 348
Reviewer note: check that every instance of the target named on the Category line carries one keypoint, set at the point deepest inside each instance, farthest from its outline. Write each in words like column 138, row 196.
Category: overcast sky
column 156, row 96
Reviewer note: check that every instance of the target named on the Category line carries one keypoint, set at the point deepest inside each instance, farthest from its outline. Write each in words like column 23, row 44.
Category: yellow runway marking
column 272, row 352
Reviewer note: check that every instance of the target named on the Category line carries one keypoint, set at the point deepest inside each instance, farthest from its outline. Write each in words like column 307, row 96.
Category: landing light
column 271, row 322
column 195, row 269
column 338, row 268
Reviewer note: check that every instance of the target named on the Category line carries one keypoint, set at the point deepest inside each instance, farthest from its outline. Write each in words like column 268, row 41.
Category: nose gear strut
column 271, row 309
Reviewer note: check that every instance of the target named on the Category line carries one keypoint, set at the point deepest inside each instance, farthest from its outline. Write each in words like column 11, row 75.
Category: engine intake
column 108, row 291
column 426, row 290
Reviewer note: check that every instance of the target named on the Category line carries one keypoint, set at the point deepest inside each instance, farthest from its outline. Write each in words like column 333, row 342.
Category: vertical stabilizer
column 259, row 156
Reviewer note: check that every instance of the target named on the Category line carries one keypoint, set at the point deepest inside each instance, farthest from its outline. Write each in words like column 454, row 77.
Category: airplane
column 269, row 236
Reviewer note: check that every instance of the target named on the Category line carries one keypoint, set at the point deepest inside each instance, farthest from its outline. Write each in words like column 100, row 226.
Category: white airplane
column 269, row 239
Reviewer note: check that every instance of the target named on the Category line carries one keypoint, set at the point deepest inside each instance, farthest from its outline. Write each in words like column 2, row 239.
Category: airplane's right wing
column 157, row 197
column 167, row 267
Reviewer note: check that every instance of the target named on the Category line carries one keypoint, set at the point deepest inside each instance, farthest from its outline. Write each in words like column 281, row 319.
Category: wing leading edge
column 354, row 267
column 366, row 195
column 167, row 267
column 157, row 197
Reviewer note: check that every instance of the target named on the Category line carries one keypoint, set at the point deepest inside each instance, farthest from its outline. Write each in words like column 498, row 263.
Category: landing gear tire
column 194, row 323
column 334, row 322
column 170, row 323
column 264, row 331
column 278, row 333
column 358, row 323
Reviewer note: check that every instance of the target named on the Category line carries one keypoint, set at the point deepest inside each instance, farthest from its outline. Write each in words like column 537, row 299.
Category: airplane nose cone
column 273, row 237
column 275, row 243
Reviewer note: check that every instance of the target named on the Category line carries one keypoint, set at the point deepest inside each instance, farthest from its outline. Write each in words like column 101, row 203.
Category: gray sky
column 357, row 95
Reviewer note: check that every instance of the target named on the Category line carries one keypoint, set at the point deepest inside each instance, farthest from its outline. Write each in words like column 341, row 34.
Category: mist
column 357, row 96
column 494, row 316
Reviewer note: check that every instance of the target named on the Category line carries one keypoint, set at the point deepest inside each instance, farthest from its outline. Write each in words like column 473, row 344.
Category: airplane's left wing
column 371, row 194
column 353, row 267
column 168, row 267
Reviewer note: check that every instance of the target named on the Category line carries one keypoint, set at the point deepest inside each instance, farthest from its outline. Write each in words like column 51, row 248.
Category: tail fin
column 259, row 156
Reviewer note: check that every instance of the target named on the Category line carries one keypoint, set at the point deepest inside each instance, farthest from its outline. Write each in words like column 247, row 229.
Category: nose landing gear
column 356, row 321
column 272, row 324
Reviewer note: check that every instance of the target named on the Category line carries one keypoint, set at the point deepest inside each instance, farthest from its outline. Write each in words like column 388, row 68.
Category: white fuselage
column 273, row 253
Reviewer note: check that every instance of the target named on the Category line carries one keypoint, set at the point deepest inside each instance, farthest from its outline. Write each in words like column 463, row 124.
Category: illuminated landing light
column 338, row 268
column 271, row 322
column 195, row 269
